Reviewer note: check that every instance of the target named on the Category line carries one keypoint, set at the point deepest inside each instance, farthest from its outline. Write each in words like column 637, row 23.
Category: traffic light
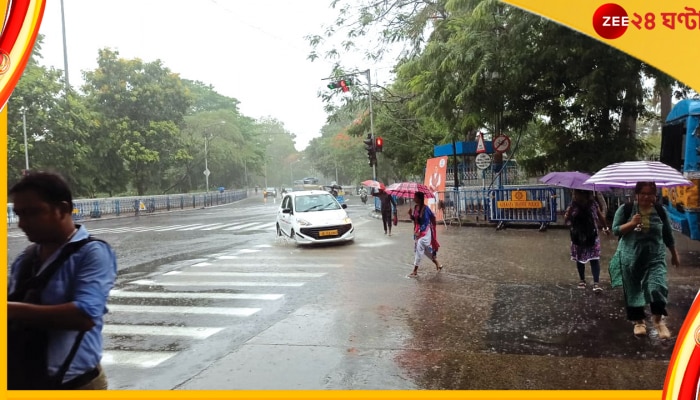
column 371, row 151
column 378, row 144
column 343, row 84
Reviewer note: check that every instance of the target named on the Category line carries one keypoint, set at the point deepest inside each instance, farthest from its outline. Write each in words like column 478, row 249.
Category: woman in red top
column 424, row 233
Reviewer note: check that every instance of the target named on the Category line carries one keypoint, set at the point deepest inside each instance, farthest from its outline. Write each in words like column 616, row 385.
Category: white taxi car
column 314, row 216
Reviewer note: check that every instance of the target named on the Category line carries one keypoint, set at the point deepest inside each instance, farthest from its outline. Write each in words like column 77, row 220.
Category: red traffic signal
column 378, row 144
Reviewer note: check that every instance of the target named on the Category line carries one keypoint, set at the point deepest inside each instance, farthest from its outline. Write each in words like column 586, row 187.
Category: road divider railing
column 142, row 205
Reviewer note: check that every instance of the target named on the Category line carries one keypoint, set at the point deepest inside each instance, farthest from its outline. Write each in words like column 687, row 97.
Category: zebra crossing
column 152, row 320
column 236, row 226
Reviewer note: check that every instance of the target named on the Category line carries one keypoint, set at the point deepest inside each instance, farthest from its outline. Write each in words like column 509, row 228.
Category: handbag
column 395, row 219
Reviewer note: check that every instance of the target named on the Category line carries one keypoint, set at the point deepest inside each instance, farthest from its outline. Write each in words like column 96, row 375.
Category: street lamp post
column 26, row 150
column 208, row 137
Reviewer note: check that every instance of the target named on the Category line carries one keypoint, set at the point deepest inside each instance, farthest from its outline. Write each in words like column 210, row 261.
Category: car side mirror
column 287, row 211
column 344, row 205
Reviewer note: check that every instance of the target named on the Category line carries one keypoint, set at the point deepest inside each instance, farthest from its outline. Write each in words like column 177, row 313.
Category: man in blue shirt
column 73, row 300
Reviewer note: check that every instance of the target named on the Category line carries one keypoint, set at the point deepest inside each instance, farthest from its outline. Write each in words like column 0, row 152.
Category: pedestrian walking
column 584, row 219
column 424, row 233
column 57, row 292
column 639, row 264
column 388, row 209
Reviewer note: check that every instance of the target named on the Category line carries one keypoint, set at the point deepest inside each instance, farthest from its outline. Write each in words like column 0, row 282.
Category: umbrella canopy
column 408, row 189
column 627, row 174
column 571, row 180
column 373, row 184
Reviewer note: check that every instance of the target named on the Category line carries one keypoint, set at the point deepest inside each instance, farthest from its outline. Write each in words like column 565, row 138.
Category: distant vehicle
column 270, row 192
column 310, row 181
column 287, row 190
column 314, row 216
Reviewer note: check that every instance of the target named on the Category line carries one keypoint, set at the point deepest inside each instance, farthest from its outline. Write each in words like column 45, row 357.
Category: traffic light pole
column 371, row 119
column 371, row 112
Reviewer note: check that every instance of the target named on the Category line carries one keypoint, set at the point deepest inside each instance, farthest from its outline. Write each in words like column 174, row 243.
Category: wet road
column 242, row 309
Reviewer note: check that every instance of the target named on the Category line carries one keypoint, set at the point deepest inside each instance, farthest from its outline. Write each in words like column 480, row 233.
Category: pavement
column 503, row 314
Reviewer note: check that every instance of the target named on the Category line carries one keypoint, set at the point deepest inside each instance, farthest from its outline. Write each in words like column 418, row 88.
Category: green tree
column 141, row 108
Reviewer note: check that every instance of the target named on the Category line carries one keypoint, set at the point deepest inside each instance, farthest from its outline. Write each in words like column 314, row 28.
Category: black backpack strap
column 628, row 211
column 58, row 378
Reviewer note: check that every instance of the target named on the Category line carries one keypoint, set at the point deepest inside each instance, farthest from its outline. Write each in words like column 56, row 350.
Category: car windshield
column 316, row 202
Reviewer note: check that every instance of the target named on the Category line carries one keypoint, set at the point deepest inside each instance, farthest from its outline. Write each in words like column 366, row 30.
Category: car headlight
column 347, row 220
column 303, row 222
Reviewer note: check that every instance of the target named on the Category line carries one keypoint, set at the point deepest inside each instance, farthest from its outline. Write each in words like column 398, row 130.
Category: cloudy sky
column 253, row 51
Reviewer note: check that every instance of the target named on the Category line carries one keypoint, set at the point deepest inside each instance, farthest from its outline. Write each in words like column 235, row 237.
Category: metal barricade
column 533, row 205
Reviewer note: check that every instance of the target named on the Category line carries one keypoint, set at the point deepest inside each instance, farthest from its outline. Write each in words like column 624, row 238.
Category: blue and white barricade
column 531, row 205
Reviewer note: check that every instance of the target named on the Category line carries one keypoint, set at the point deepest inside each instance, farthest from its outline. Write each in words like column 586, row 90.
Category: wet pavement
column 503, row 314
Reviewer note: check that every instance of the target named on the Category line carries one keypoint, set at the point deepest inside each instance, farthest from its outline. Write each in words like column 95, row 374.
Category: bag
column 395, row 219
column 583, row 229
column 27, row 346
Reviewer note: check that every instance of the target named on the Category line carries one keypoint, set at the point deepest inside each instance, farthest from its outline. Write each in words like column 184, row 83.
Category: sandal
column 597, row 288
column 581, row 285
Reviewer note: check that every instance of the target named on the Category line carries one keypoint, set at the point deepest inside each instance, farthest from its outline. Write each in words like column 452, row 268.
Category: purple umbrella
column 571, row 180
column 627, row 174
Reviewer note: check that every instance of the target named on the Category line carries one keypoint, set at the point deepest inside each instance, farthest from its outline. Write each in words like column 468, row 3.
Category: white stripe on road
column 233, row 311
column 261, row 263
column 266, row 226
column 241, row 226
column 200, row 226
column 193, row 295
column 143, row 359
column 251, row 274
column 173, row 227
column 154, row 283
column 192, row 332
column 217, row 227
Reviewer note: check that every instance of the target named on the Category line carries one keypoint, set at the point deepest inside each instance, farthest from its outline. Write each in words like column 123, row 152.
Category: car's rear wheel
column 279, row 230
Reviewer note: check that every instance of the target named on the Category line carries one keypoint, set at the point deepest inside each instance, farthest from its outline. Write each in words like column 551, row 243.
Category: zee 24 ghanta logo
column 611, row 21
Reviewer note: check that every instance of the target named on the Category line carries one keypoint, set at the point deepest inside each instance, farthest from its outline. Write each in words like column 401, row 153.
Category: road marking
column 148, row 282
column 232, row 311
column 266, row 226
column 250, row 274
column 173, row 227
column 143, row 359
column 195, row 295
column 150, row 330
column 262, row 263
column 241, row 227
column 200, row 226
column 218, row 227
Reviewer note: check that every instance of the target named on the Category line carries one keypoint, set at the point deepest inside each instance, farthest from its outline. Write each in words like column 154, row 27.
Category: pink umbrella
column 408, row 189
column 374, row 184
column 627, row 174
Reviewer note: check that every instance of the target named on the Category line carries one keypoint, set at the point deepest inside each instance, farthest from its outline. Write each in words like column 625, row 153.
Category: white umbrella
column 627, row 174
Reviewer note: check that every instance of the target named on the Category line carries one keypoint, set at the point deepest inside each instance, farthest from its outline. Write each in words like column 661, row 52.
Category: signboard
column 519, row 204
column 519, row 200
column 207, row 172
column 501, row 143
column 483, row 161
column 435, row 175
column 480, row 146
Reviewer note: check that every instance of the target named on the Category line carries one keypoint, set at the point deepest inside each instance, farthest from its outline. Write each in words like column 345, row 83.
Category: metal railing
column 140, row 205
